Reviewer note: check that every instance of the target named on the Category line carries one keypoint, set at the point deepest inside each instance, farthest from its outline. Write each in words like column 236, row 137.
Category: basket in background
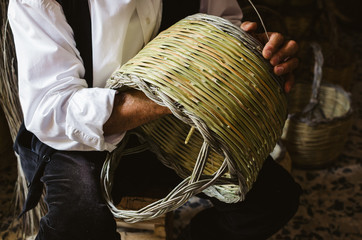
column 338, row 68
column 319, row 121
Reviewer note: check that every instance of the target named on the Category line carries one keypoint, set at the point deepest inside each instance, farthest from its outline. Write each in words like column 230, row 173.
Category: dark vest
column 173, row 11
column 78, row 17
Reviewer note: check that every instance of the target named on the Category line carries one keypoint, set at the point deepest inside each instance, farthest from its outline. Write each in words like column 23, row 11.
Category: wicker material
column 317, row 144
column 214, row 79
column 9, row 102
column 315, row 136
column 274, row 21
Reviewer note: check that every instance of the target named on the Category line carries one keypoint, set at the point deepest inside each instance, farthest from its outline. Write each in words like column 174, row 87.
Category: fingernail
column 279, row 70
column 268, row 54
column 250, row 24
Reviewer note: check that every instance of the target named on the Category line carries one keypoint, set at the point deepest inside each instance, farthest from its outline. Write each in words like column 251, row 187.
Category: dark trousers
column 77, row 210
column 268, row 206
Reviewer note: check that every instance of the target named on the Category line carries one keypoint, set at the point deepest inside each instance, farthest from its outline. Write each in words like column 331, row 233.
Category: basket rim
column 314, row 122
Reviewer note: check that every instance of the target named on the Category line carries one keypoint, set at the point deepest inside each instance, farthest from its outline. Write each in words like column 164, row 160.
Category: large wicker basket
column 214, row 79
column 319, row 121
column 10, row 104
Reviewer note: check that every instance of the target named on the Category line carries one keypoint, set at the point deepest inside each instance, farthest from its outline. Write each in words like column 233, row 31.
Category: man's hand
column 131, row 109
column 279, row 52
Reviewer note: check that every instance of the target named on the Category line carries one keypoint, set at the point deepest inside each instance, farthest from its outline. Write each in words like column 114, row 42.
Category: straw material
column 319, row 121
column 214, row 79
column 274, row 21
column 8, row 85
column 9, row 101
column 318, row 143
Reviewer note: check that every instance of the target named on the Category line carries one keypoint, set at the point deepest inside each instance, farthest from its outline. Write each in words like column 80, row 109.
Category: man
column 70, row 126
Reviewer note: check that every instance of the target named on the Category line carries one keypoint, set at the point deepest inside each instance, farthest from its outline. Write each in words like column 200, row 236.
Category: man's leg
column 76, row 209
column 268, row 206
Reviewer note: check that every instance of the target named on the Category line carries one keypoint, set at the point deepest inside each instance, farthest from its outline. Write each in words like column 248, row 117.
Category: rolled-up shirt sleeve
column 56, row 103
column 228, row 9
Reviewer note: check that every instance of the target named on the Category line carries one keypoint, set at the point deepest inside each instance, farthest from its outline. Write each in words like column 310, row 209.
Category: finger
column 249, row 26
column 286, row 67
column 288, row 50
column 264, row 37
column 272, row 46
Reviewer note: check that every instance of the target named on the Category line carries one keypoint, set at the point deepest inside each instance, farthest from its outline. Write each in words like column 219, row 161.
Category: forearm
column 131, row 109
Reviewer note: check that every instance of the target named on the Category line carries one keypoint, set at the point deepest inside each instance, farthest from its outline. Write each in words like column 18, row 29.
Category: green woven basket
column 214, row 79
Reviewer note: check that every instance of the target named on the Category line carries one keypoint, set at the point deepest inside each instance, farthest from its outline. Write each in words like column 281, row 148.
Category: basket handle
column 317, row 78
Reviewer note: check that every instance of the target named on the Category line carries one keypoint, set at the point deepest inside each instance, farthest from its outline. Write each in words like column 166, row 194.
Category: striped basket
column 213, row 78
column 320, row 118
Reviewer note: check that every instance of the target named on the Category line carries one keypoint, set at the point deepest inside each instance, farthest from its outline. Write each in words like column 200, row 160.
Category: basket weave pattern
column 321, row 116
column 318, row 143
column 213, row 78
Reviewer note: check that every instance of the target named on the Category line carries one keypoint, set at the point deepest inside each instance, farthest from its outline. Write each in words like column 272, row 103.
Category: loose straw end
column 261, row 20
column 192, row 130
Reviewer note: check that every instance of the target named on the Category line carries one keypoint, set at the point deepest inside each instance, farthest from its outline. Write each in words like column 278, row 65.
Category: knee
column 77, row 202
column 259, row 217
column 80, row 220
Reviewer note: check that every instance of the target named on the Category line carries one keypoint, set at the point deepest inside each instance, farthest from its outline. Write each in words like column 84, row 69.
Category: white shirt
column 56, row 103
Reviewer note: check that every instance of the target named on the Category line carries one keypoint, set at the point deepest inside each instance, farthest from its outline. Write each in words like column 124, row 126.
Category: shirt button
column 148, row 20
